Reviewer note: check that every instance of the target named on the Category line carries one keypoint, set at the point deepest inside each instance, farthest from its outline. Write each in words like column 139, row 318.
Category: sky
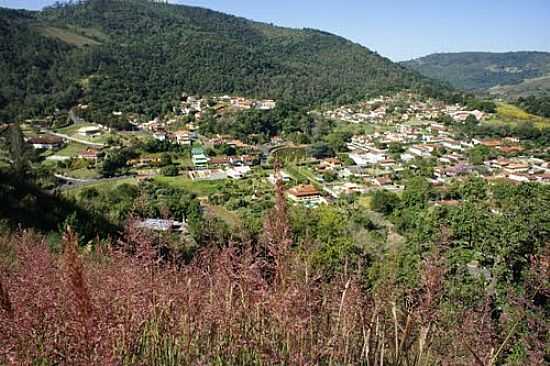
column 398, row 29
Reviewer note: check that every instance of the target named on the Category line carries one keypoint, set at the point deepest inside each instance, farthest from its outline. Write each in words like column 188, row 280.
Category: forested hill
column 139, row 56
column 484, row 70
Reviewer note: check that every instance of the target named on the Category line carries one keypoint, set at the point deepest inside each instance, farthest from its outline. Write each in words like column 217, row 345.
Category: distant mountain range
column 510, row 74
column 139, row 56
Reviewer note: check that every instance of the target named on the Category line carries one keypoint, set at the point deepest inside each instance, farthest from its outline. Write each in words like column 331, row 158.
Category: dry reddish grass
column 235, row 305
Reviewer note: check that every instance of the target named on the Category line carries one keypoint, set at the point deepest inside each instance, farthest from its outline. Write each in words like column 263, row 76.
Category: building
column 265, row 105
column 46, row 142
column 163, row 225
column 200, row 160
column 239, row 172
column 89, row 131
column 306, row 194
column 219, row 161
column 89, row 154
column 372, row 157
column 422, row 150
column 183, row 137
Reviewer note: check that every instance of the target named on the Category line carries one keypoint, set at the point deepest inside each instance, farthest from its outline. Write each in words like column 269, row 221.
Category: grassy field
column 83, row 173
column 102, row 186
column 511, row 114
column 230, row 218
column 67, row 36
column 200, row 188
column 72, row 149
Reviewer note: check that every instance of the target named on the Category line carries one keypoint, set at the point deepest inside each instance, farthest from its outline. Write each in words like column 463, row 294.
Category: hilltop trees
column 536, row 105
column 133, row 61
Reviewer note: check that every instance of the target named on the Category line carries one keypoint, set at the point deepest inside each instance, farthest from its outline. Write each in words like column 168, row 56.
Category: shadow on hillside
column 23, row 204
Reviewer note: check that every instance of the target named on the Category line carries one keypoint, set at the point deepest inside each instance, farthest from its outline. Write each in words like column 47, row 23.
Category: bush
column 384, row 202
column 170, row 171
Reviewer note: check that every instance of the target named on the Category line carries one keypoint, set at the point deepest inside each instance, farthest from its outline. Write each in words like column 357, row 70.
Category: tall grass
column 238, row 304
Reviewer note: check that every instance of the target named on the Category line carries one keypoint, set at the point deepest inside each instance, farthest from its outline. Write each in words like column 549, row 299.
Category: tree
column 384, row 202
column 165, row 159
column 321, row 150
column 337, row 140
column 417, row 192
column 19, row 151
column 169, row 171
column 479, row 153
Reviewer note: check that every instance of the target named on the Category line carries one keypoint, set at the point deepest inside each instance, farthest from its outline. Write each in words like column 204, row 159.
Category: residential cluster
column 404, row 135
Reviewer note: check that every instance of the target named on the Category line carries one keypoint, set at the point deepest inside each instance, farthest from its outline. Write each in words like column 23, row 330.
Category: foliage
column 384, row 202
column 170, row 171
column 135, row 61
column 321, row 150
column 482, row 70
column 480, row 153
column 539, row 106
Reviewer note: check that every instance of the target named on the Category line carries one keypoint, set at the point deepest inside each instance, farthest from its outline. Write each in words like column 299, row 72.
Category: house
column 89, row 154
column 238, row 172
column 383, row 181
column 144, row 162
column 387, row 164
column 163, row 225
column 463, row 115
column 492, row 143
column 510, row 149
column 89, row 131
column 46, row 142
column 305, row 193
column 520, row 177
column 421, row 150
column 330, row 164
column 517, row 167
column 183, row 137
column 265, row 105
column 373, row 157
column 200, row 160
column 452, row 144
column 219, row 161
column 543, row 178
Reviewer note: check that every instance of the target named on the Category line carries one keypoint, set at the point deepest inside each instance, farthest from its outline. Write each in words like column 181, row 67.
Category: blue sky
column 398, row 29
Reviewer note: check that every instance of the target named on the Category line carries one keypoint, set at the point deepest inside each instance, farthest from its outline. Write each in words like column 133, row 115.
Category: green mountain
column 509, row 74
column 139, row 56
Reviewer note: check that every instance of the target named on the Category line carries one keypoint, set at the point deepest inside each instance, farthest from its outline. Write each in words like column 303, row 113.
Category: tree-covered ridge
column 539, row 106
column 482, row 70
column 145, row 54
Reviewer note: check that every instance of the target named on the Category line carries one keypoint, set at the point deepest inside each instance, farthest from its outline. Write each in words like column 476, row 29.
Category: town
column 387, row 139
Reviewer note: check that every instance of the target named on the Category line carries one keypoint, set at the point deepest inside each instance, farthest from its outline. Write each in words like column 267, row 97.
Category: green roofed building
column 200, row 160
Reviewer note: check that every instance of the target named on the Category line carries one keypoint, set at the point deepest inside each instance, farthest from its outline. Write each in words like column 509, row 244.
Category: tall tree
column 19, row 151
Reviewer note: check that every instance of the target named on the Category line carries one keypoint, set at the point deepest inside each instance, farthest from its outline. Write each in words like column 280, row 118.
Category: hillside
column 139, row 56
column 509, row 74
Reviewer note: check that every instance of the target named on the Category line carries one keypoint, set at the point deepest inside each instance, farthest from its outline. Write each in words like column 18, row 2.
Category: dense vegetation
column 139, row 56
column 539, row 106
column 467, row 284
column 482, row 70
